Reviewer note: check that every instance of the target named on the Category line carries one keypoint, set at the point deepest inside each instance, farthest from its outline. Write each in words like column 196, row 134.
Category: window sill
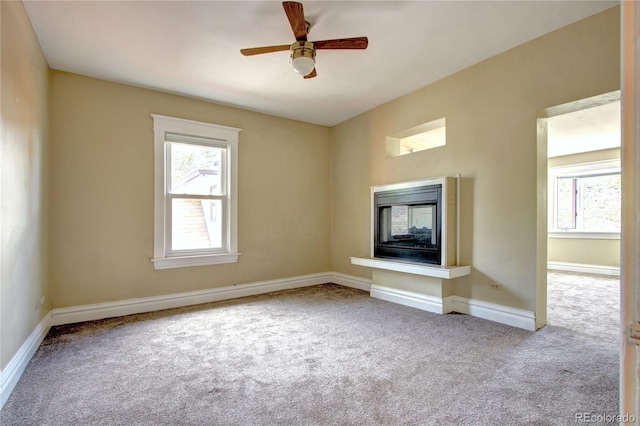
column 585, row 235
column 186, row 261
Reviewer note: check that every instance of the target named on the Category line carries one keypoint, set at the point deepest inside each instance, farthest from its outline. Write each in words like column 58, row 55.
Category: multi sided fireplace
column 413, row 221
column 414, row 243
column 408, row 224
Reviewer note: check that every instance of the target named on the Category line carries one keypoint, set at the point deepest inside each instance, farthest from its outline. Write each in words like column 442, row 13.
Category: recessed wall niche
column 425, row 136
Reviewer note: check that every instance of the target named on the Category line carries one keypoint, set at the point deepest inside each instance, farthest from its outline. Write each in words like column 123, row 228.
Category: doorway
column 579, row 204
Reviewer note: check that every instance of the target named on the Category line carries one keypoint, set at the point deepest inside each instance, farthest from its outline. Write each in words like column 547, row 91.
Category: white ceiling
column 192, row 47
column 586, row 130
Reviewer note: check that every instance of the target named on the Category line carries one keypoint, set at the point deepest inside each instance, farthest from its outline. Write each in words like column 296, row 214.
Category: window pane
column 423, row 222
column 399, row 220
column 195, row 169
column 404, row 225
column 601, row 202
column 565, row 203
column 196, row 224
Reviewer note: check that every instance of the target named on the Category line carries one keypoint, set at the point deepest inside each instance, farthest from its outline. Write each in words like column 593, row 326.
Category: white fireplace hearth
column 415, row 268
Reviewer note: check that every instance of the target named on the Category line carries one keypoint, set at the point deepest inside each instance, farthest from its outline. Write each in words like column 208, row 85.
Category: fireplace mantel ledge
column 437, row 271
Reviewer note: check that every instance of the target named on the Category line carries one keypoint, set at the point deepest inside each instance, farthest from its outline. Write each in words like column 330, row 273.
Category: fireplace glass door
column 407, row 224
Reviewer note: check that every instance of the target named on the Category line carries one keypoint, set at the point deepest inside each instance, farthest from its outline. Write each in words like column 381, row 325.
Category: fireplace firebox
column 408, row 224
column 416, row 221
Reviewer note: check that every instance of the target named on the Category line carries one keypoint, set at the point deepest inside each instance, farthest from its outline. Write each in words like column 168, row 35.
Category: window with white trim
column 585, row 200
column 195, row 196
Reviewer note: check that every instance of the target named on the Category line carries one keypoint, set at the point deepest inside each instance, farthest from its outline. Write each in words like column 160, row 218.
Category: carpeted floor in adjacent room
column 328, row 355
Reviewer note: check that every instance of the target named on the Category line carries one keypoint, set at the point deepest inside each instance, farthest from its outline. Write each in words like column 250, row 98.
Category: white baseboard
column 408, row 298
column 13, row 371
column 490, row 311
column 514, row 317
column 351, row 281
column 584, row 268
column 155, row 303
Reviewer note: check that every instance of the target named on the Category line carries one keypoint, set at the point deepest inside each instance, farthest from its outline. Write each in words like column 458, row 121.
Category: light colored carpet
column 328, row 355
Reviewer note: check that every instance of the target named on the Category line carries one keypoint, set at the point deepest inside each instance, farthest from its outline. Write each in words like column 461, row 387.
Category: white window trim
column 229, row 135
column 582, row 169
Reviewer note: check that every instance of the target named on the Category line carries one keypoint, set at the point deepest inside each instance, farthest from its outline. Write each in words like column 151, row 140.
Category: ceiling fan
column 303, row 52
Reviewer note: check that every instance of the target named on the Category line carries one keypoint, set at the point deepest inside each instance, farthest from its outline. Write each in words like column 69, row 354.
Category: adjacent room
column 192, row 208
column 584, row 209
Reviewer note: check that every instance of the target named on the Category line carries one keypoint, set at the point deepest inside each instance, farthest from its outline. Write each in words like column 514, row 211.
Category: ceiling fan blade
column 266, row 49
column 295, row 13
column 313, row 74
column 343, row 43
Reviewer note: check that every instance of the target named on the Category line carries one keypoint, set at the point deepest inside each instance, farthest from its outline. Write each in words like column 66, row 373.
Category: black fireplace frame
column 416, row 196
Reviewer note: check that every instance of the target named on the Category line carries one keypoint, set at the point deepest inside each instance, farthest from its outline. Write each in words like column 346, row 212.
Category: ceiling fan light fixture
column 303, row 52
column 303, row 57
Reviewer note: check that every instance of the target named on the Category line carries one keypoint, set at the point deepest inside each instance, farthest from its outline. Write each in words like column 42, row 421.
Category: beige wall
column 304, row 189
column 604, row 252
column 102, row 194
column 601, row 252
column 585, row 157
column 491, row 110
column 23, row 191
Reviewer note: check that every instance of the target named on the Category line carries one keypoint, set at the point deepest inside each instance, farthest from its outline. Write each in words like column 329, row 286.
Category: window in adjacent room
column 586, row 198
column 195, row 193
